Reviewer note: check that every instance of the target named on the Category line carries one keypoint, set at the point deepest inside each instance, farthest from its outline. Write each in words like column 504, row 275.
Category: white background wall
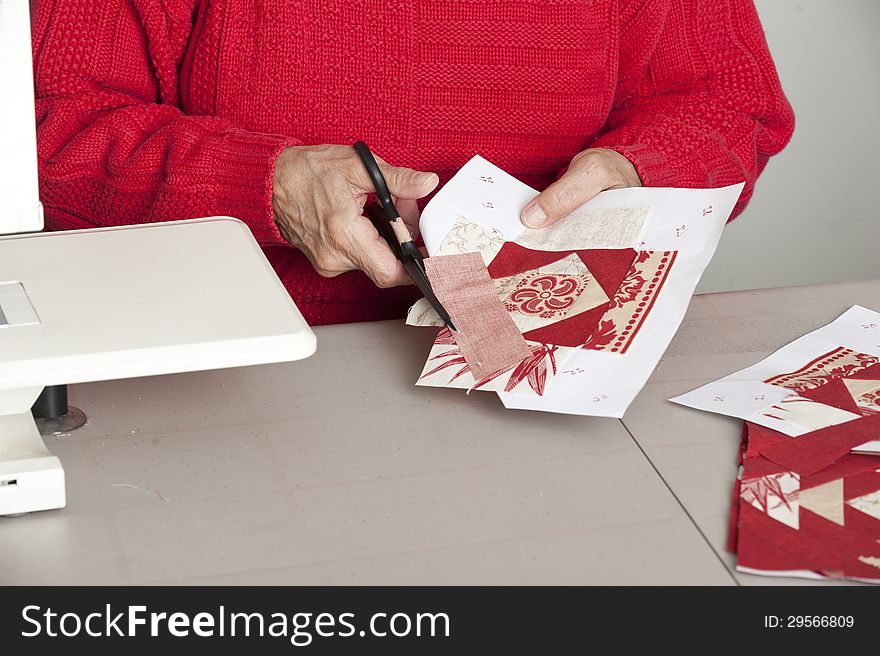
column 815, row 216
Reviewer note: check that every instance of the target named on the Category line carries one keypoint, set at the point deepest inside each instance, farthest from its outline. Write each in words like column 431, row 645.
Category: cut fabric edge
column 422, row 314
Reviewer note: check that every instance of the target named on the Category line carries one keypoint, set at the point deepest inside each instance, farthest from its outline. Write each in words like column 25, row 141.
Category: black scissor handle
column 376, row 177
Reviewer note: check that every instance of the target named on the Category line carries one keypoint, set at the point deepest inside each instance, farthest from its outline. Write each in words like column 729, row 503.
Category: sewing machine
column 110, row 303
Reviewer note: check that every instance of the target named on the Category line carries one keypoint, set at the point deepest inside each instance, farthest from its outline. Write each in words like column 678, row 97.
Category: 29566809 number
column 809, row 621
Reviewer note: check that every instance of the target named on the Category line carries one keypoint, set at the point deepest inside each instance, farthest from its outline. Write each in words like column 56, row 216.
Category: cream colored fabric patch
column 808, row 414
column 446, row 367
column 873, row 561
column 865, row 393
column 584, row 229
column 465, row 236
column 868, row 504
column 422, row 314
column 469, row 237
column 825, row 500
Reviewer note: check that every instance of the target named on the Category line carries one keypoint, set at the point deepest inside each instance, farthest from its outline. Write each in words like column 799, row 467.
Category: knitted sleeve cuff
column 650, row 164
column 716, row 166
column 245, row 165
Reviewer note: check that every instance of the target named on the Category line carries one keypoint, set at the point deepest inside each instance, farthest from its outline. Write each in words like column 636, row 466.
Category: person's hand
column 590, row 172
column 318, row 198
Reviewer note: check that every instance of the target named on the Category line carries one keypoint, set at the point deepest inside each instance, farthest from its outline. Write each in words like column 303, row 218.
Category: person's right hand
column 318, row 198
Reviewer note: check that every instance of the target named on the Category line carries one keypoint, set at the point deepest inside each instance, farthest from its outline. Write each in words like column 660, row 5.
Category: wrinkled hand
column 318, row 198
column 590, row 172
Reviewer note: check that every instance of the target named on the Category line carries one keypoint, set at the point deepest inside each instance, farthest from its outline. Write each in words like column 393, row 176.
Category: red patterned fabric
column 812, row 452
column 836, row 393
column 817, row 545
column 552, row 298
column 833, row 393
column 150, row 110
column 608, row 266
column 837, row 363
column 733, row 521
column 828, row 524
column 632, row 304
column 545, row 295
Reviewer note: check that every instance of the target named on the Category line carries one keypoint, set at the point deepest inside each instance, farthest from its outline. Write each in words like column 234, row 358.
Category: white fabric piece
column 455, row 372
column 865, row 393
column 806, row 413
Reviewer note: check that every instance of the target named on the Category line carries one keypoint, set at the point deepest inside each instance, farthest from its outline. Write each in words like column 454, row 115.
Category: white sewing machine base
column 112, row 303
column 31, row 478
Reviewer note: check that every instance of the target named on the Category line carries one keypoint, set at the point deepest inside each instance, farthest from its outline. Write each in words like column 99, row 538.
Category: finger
column 407, row 183
column 578, row 185
column 371, row 254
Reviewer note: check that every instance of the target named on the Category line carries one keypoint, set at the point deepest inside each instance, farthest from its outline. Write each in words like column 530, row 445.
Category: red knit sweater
column 151, row 110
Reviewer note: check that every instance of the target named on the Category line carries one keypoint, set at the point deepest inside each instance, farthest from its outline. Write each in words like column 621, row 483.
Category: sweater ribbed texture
column 150, row 110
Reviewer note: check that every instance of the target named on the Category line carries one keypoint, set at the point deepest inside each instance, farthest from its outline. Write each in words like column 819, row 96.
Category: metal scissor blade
column 421, row 280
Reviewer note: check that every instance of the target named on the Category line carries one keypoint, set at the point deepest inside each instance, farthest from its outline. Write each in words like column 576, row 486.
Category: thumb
column 561, row 198
column 408, row 183
column 591, row 171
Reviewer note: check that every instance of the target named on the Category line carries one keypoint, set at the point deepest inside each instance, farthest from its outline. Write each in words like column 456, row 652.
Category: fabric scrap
column 550, row 293
column 838, row 363
column 775, row 494
column 808, row 414
column 619, row 227
column 422, row 313
column 607, row 267
column 825, row 500
column 868, row 504
column 466, row 236
column 831, row 549
column 814, row 451
column 632, row 303
column 865, row 394
column 487, row 336
column 446, row 367
column 837, row 531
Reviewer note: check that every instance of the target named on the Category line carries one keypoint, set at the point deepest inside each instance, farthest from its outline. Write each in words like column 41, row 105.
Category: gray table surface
column 338, row 470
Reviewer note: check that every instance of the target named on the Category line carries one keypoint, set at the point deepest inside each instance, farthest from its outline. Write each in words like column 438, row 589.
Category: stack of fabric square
column 807, row 498
column 808, row 505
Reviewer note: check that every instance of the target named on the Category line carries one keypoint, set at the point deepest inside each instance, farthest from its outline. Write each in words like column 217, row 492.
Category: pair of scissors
column 387, row 221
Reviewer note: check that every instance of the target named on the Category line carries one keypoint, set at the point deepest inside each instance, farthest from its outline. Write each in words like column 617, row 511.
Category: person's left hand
column 590, row 172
